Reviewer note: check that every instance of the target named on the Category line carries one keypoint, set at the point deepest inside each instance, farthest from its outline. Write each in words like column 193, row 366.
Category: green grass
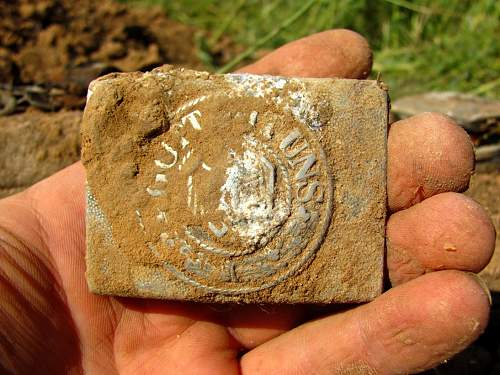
column 418, row 45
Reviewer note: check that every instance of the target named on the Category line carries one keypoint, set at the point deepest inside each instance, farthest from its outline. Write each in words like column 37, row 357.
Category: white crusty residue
column 162, row 216
column 253, row 118
column 184, row 142
column 139, row 219
column 154, row 192
column 256, row 85
column 95, row 216
column 248, row 197
column 160, row 177
column 298, row 102
column 302, row 109
column 93, row 86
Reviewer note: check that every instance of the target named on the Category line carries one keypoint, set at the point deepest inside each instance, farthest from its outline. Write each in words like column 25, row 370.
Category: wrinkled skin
column 436, row 239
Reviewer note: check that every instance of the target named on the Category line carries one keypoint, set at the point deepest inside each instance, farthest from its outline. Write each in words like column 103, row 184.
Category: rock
column 471, row 112
column 235, row 188
column 34, row 145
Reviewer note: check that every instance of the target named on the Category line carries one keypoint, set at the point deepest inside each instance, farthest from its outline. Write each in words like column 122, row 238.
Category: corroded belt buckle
column 238, row 187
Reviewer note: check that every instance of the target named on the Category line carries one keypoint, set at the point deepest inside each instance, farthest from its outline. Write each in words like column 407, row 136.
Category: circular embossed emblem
column 240, row 194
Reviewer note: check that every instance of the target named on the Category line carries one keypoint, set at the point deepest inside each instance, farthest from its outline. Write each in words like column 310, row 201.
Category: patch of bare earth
column 50, row 50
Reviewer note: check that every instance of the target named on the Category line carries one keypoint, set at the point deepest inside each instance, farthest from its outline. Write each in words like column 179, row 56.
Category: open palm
column 50, row 323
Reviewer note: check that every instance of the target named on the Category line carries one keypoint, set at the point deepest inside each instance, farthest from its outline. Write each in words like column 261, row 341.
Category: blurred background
column 418, row 45
column 441, row 55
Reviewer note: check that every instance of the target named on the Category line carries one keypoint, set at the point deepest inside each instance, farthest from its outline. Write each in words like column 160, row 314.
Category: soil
column 34, row 145
column 485, row 188
column 60, row 47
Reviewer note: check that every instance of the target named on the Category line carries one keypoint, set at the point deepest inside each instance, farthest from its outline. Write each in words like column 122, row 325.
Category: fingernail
column 483, row 284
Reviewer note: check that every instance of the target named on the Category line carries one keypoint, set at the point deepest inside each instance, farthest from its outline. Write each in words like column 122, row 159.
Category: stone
column 473, row 113
column 235, row 188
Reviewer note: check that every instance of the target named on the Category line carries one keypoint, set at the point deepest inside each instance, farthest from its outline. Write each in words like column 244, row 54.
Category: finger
column 333, row 53
column 63, row 196
column 252, row 326
column 408, row 329
column 58, row 203
column 447, row 231
column 428, row 154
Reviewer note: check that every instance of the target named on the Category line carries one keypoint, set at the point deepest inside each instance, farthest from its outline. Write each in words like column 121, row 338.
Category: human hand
column 50, row 323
